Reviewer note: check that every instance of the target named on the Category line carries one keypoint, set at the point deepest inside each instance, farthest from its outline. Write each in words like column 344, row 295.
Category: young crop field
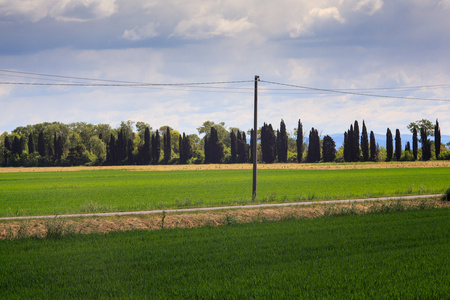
column 392, row 255
column 42, row 193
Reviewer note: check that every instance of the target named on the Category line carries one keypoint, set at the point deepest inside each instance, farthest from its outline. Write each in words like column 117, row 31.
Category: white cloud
column 61, row 10
column 316, row 16
column 369, row 7
column 141, row 33
column 210, row 26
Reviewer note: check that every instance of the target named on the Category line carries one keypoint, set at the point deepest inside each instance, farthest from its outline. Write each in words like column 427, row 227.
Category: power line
column 346, row 92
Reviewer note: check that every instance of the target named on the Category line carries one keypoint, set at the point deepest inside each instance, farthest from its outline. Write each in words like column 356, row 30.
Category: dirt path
column 187, row 218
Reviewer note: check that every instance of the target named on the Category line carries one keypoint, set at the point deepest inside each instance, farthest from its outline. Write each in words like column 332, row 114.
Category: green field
column 401, row 255
column 123, row 190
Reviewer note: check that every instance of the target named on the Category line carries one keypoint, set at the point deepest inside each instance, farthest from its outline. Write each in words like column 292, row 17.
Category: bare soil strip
column 196, row 218
column 303, row 166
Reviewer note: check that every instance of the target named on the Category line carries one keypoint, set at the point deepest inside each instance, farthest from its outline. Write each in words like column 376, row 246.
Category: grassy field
column 393, row 255
column 41, row 193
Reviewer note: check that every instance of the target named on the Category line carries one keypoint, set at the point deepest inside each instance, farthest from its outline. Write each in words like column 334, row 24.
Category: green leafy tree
column 389, row 145
column 424, row 123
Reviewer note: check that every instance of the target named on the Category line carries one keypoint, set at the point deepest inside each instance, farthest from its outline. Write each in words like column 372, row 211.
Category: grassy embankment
column 42, row 193
column 392, row 255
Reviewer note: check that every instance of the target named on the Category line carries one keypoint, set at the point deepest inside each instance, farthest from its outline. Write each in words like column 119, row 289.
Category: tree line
column 58, row 144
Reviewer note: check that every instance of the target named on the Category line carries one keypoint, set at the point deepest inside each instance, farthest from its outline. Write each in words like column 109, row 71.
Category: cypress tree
column 111, row 154
column 299, row 141
column 8, row 145
column 41, row 144
column 364, row 143
column 328, row 149
column 130, row 148
column 389, row 145
column 242, row 148
column 356, row 150
column 17, row 146
column 216, row 148
column 156, row 147
column 373, row 147
column 268, row 143
column 31, row 144
column 398, row 145
column 233, row 147
column 313, row 146
column 349, row 145
column 59, row 148
column 415, row 143
column 50, row 152
column 437, row 139
column 167, row 146
column 206, row 150
column 408, row 146
column 282, row 142
column 251, row 145
column 147, row 150
column 426, row 150
column 185, row 149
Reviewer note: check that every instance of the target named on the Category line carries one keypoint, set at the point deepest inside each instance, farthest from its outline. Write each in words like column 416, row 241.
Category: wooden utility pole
column 255, row 138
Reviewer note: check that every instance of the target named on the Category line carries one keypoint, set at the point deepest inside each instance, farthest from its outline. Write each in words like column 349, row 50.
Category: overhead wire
column 347, row 92
column 291, row 89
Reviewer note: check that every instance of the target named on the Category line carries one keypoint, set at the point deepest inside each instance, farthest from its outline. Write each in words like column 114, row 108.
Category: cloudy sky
column 373, row 47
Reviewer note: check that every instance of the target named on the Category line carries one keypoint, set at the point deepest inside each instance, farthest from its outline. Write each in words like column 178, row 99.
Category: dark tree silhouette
column 373, row 147
column 313, row 146
column 398, row 145
column 426, row 148
column 156, row 147
column 233, row 148
column 268, row 143
column 328, row 149
column 389, row 145
column 415, row 143
column 167, row 145
column 282, row 142
column 299, row 141
column 356, row 150
column 437, row 139
column 364, row 143
column 41, row 144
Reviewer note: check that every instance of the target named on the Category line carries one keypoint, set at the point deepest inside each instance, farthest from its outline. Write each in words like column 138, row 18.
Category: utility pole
column 255, row 138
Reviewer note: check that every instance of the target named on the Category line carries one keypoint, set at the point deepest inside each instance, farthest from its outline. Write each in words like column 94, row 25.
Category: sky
column 359, row 59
